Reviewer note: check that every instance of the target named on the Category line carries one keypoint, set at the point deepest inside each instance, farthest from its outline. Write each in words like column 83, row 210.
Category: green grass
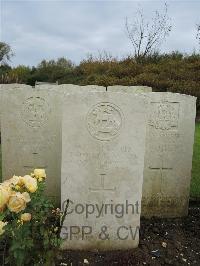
column 195, row 184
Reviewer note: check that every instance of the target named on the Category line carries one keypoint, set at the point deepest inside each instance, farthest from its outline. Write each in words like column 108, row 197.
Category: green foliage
column 52, row 71
column 33, row 242
column 6, row 75
column 22, row 72
column 173, row 72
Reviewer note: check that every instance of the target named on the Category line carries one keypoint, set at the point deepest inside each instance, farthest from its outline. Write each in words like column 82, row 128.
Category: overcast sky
column 39, row 30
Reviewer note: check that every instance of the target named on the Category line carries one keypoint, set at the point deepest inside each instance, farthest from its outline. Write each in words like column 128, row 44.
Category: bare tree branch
column 147, row 36
column 5, row 53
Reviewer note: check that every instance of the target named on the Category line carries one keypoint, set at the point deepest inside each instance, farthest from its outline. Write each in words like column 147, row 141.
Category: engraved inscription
column 104, row 121
column 163, row 152
column 35, row 111
column 162, row 155
column 47, row 142
column 164, row 115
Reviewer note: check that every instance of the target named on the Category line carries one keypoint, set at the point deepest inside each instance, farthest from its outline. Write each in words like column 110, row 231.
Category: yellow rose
column 14, row 181
column 17, row 202
column 40, row 173
column 40, row 179
column 2, row 224
column 26, row 217
column 30, row 183
column 17, row 187
column 20, row 181
column 26, row 197
column 5, row 194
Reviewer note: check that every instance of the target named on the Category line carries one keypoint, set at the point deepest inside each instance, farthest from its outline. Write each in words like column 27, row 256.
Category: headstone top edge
column 82, row 86
column 134, row 95
column 169, row 94
column 15, row 85
column 134, row 86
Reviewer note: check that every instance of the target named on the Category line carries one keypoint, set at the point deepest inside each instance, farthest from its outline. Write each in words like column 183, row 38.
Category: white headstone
column 39, row 83
column 133, row 89
column 3, row 87
column 168, row 156
column 31, row 134
column 70, row 88
column 103, row 141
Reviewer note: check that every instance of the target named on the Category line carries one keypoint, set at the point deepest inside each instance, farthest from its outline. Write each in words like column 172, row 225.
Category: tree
column 147, row 36
column 5, row 53
column 53, row 70
column 60, row 63
column 22, row 73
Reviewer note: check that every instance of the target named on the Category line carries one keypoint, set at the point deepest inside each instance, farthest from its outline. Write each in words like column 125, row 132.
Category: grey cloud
column 49, row 29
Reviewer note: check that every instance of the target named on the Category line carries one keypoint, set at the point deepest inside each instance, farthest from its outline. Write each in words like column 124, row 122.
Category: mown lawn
column 195, row 184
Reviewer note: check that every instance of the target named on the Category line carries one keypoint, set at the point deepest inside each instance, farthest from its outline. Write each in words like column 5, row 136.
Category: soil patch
column 162, row 242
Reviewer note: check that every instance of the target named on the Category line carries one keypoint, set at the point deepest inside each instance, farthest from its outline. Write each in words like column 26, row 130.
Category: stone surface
column 3, row 87
column 31, row 134
column 103, row 141
column 70, row 88
column 32, row 129
column 32, row 138
column 38, row 83
column 133, row 89
column 1, row 96
column 168, row 156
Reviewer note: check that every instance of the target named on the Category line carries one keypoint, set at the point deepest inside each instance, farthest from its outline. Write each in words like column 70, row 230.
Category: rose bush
column 29, row 223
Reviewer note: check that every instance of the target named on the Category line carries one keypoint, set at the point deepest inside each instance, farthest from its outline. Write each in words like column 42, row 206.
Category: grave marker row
column 101, row 133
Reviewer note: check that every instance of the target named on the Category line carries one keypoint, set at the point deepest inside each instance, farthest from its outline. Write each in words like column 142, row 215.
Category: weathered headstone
column 39, row 83
column 31, row 134
column 3, row 87
column 70, row 88
column 133, row 89
column 168, row 156
column 103, row 141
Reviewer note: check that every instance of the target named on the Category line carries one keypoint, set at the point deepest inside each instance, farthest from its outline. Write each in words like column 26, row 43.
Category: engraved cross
column 102, row 186
column 35, row 163
column 161, row 169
